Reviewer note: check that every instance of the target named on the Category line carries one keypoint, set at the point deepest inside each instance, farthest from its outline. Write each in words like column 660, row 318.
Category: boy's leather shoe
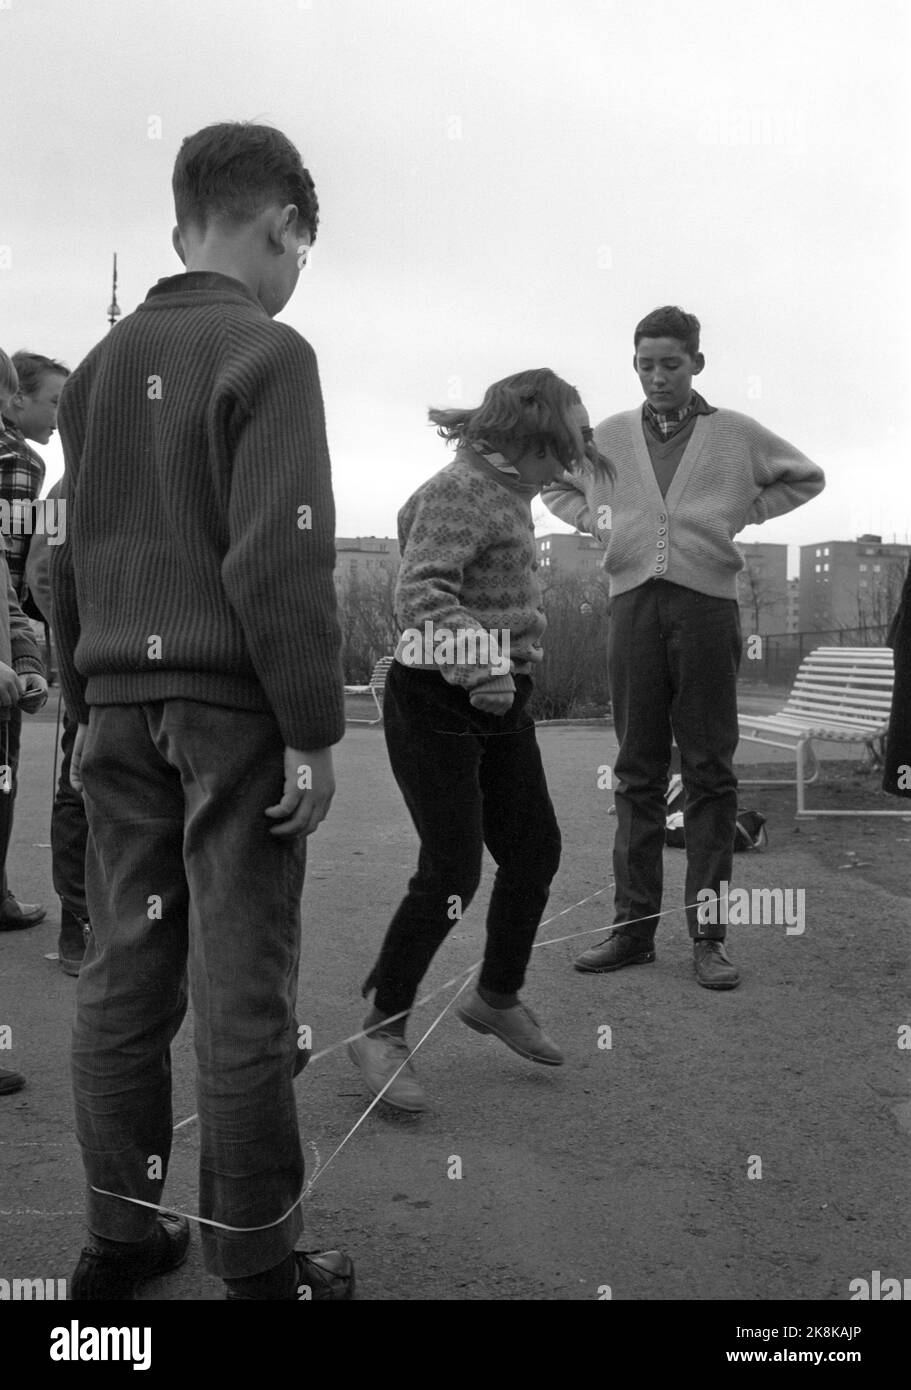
column 71, row 942
column 378, row 1057
column 10, row 1081
column 615, row 951
column 714, row 968
column 321, row 1274
column 14, row 916
column 516, row 1027
column 103, row 1274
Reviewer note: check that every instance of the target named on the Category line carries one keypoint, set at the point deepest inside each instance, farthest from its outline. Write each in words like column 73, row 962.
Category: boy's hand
column 10, row 686
column 35, row 694
column 76, row 760
column 308, row 791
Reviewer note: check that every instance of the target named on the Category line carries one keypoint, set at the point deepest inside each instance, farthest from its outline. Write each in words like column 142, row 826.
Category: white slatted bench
column 840, row 694
column 375, row 687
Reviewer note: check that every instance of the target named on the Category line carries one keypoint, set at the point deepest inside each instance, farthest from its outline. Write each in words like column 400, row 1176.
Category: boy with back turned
column 689, row 477
column 199, row 651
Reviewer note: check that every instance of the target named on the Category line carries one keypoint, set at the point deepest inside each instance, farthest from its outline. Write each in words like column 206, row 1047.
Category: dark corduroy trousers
column 10, row 737
column 69, row 831
column 188, row 893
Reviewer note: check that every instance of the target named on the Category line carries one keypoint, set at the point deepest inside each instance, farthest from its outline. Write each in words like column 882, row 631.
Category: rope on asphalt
column 468, row 973
column 308, row 1187
column 447, row 984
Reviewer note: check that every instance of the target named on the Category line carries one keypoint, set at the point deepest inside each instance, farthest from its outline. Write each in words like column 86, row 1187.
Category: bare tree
column 756, row 594
column 573, row 675
column 878, row 603
column 367, row 617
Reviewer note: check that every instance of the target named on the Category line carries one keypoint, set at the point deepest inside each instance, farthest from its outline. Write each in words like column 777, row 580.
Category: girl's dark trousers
column 469, row 779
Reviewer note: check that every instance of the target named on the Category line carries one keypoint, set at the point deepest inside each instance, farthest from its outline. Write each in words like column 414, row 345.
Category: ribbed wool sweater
column 194, row 441
column 468, row 561
column 734, row 473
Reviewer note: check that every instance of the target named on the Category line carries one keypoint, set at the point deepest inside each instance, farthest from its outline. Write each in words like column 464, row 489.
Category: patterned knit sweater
column 200, row 518
column 734, row 473
column 468, row 562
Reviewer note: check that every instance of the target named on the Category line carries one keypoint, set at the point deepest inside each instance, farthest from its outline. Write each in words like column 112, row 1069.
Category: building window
column 863, row 583
column 863, row 569
column 818, row 553
column 817, row 567
column 826, row 565
column 876, row 569
column 826, row 551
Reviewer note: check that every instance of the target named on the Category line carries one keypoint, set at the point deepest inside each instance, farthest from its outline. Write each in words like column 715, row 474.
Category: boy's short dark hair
column 32, row 368
column 231, row 171
column 670, row 322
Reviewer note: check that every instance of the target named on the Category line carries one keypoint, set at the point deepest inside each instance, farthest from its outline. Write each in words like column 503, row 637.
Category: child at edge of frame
column 22, row 677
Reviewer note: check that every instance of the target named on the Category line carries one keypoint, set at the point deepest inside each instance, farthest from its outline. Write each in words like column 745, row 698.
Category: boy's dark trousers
column 186, row 888
column 69, row 832
column 468, row 779
column 10, row 738
column 673, row 656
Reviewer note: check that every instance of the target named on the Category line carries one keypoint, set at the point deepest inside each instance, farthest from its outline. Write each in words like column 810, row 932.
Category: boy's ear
column 177, row 243
column 281, row 225
column 698, row 363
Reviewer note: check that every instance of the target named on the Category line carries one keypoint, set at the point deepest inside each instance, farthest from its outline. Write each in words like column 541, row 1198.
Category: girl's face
column 543, row 471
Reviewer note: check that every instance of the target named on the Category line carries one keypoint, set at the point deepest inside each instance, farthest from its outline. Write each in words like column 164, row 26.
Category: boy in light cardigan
column 689, row 477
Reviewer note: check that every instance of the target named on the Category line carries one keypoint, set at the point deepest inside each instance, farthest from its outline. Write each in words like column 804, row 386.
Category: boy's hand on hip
column 308, row 791
column 76, row 760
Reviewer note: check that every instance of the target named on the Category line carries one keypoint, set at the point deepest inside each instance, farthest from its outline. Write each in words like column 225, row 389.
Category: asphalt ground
column 746, row 1145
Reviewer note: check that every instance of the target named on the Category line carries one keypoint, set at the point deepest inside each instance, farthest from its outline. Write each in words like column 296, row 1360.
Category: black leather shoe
column 14, row 916
column 10, row 1081
column 116, row 1275
column 714, row 968
column 615, row 951
column 321, row 1274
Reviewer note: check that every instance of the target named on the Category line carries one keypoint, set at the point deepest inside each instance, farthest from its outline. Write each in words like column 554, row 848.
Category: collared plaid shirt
column 21, row 480
column 665, row 425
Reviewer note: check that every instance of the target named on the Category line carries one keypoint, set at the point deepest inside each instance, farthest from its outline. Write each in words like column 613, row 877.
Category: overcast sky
column 503, row 185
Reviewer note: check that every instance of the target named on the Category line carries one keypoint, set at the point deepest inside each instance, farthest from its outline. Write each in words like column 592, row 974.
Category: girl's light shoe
column 516, row 1027
column 378, row 1056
